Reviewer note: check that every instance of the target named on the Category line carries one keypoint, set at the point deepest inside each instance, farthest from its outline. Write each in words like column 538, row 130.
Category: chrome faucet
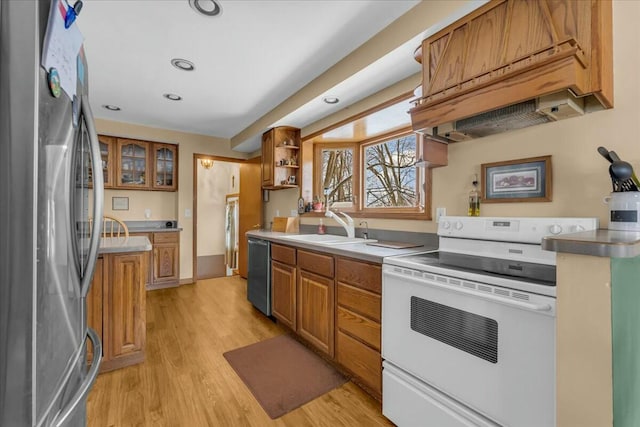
column 348, row 226
column 365, row 233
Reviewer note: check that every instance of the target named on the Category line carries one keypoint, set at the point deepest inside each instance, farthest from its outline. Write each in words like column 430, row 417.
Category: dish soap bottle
column 474, row 199
column 321, row 228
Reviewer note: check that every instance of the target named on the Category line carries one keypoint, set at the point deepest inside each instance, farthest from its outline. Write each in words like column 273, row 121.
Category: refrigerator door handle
column 84, row 388
column 98, row 196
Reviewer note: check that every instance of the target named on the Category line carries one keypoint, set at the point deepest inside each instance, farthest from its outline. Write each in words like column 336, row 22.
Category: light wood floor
column 185, row 380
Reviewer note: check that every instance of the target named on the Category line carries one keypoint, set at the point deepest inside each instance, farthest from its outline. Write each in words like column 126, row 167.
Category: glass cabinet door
column 165, row 166
column 133, row 164
column 107, row 152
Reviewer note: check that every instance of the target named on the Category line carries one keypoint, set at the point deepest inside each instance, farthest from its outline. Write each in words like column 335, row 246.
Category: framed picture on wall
column 521, row 180
column 120, row 203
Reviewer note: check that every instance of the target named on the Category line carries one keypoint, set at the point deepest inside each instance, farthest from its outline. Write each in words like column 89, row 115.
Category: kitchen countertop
column 109, row 245
column 353, row 250
column 152, row 226
column 153, row 229
column 602, row 243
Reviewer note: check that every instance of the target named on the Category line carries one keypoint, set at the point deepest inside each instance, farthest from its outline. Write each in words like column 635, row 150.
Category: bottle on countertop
column 474, row 199
column 321, row 227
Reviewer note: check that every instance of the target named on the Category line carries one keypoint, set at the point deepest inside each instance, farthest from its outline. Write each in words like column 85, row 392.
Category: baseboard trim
column 162, row 286
column 187, row 281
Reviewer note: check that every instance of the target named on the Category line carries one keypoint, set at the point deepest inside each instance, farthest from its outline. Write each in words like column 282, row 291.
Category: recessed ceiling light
column 331, row 99
column 111, row 107
column 172, row 96
column 206, row 7
column 183, row 64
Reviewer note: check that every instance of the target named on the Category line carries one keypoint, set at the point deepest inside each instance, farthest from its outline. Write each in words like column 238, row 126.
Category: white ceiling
column 248, row 60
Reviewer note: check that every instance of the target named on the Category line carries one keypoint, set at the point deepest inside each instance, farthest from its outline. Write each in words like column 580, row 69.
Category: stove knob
column 458, row 225
column 555, row 229
column 446, row 225
column 578, row 228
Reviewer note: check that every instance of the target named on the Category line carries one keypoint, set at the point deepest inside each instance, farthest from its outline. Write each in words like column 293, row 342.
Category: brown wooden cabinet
column 166, row 259
column 140, row 165
column 165, row 167
column 124, row 312
column 315, row 305
column 333, row 303
column 358, row 320
column 116, row 308
column 133, row 164
column 163, row 260
column 283, row 285
column 510, row 51
column 281, row 158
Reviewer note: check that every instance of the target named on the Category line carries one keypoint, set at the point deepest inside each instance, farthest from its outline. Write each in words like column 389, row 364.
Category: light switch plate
column 187, row 213
column 440, row 212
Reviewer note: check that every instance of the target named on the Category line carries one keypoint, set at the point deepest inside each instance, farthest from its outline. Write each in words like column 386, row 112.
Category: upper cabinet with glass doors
column 140, row 165
column 165, row 165
column 133, row 160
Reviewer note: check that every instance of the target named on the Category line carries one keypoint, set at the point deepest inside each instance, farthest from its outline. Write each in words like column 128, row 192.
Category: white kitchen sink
column 326, row 239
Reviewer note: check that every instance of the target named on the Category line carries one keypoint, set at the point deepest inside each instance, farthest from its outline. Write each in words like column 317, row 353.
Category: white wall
column 213, row 186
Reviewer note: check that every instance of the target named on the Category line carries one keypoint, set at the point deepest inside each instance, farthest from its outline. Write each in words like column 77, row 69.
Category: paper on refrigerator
column 61, row 47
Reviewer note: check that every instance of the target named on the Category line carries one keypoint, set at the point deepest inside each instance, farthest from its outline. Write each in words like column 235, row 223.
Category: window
column 337, row 178
column 390, row 174
column 366, row 165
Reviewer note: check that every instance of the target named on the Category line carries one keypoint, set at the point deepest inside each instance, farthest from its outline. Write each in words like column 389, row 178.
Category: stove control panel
column 524, row 230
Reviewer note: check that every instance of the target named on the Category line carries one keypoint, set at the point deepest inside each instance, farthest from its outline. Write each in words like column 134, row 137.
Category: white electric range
column 468, row 331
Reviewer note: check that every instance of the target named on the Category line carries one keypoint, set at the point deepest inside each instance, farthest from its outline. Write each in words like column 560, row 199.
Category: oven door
column 491, row 348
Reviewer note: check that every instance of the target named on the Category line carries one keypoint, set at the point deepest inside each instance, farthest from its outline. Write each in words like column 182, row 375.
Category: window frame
column 423, row 178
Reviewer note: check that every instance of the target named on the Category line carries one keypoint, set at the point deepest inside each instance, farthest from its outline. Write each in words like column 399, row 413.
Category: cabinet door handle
column 256, row 226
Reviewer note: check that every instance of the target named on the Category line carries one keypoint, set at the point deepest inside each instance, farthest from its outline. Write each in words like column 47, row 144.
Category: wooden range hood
column 510, row 51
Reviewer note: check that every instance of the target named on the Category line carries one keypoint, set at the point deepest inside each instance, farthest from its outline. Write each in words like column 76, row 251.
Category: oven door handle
column 541, row 307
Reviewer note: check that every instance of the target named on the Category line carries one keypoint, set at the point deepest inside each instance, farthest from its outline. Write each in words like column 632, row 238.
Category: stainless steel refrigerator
column 47, row 250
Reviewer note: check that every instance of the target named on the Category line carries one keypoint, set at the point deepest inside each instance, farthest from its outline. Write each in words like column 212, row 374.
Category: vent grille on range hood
column 517, row 116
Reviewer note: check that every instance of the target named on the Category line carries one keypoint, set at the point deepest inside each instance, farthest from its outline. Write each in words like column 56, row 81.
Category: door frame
column 194, row 237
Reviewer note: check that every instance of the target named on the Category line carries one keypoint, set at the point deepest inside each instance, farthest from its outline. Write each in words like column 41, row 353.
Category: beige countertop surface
column 110, row 245
column 602, row 243
column 360, row 251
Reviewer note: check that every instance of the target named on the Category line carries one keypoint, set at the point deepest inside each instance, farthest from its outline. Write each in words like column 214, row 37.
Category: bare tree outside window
column 337, row 174
column 390, row 174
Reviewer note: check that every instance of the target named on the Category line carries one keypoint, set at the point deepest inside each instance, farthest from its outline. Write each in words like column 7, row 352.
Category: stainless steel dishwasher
column 259, row 275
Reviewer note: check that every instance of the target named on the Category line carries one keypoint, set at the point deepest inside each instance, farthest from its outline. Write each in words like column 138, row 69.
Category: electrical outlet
column 147, row 213
column 440, row 212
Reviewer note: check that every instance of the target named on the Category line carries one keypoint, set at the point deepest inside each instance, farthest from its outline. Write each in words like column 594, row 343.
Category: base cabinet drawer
column 359, row 327
column 360, row 359
column 284, row 254
column 360, row 301
column 316, row 263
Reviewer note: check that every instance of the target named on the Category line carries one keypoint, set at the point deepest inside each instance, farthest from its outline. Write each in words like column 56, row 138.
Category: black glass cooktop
column 538, row 273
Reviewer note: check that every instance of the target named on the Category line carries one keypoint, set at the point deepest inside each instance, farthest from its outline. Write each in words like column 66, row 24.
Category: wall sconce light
column 206, row 163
